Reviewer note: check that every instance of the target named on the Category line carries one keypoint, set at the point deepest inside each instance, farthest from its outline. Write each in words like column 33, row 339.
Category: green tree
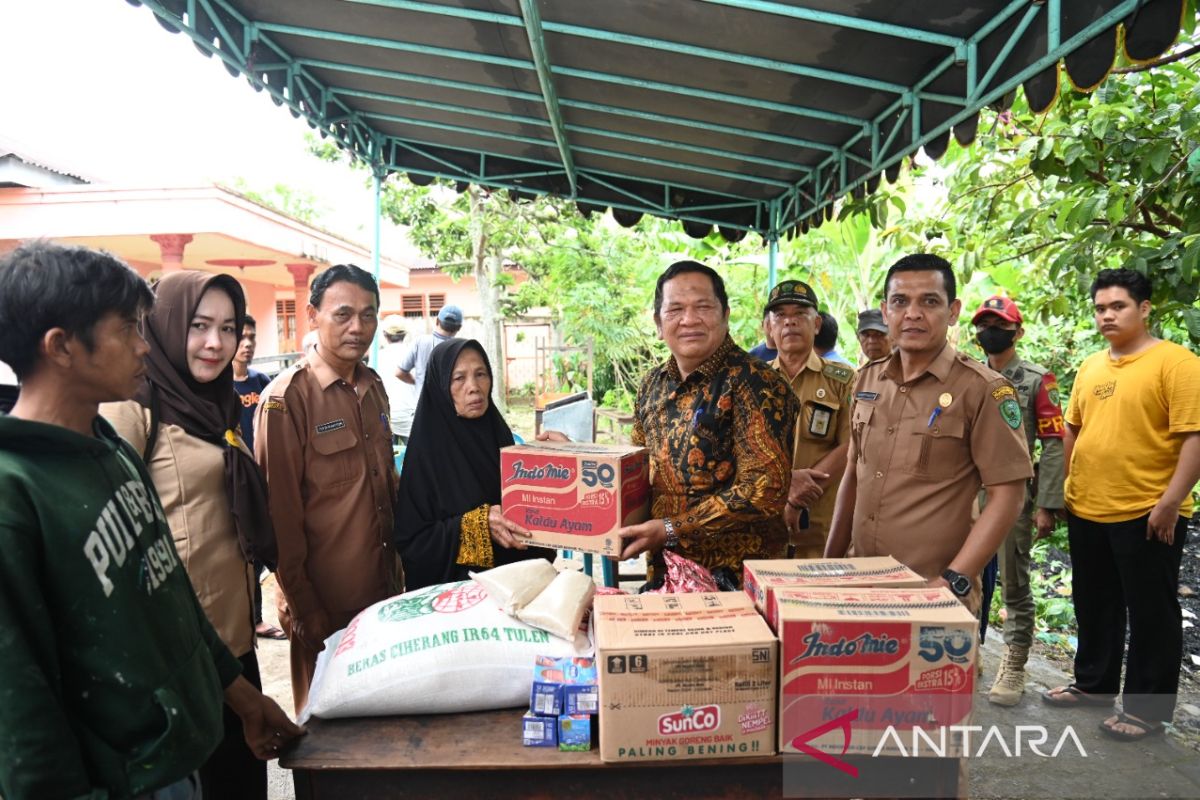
column 1040, row 203
column 304, row 206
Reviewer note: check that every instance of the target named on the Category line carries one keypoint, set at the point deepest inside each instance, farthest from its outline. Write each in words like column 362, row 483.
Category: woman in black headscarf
column 448, row 518
column 184, row 421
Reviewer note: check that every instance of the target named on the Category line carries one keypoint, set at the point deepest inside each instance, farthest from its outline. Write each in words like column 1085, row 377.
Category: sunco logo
column 690, row 720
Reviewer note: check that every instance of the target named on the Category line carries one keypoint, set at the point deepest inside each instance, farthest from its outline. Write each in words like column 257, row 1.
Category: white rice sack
column 559, row 609
column 437, row 650
column 513, row 585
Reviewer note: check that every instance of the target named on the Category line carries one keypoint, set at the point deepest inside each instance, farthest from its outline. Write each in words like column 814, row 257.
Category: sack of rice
column 440, row 649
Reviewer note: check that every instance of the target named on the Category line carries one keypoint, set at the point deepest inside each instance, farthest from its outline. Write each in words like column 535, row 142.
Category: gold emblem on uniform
column 820, row 393
column 945, row 399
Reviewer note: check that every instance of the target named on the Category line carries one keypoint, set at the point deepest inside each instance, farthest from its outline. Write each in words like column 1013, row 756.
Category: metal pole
column 772, row 259
column 773, row 245
column 379, row 175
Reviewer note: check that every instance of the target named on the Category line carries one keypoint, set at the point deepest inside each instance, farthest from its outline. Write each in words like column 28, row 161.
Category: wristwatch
column 672, row 536
column 959, row 584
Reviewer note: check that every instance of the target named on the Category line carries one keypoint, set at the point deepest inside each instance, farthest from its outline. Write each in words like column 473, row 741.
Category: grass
column 1050, row 581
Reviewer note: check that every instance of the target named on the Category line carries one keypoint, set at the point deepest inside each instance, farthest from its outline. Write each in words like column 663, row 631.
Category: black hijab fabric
column 208, row 411
column 451, row 466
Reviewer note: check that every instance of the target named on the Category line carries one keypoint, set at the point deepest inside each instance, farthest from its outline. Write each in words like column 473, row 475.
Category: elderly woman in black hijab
column 448, row 518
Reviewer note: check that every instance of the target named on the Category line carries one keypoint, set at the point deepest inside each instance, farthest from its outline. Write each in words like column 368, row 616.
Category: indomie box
column 761, row 578
column 861, row 668
column 574, row 495
column 684, row 676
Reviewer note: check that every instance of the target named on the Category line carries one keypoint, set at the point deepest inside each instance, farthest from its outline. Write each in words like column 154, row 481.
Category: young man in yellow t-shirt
column 1133, row 456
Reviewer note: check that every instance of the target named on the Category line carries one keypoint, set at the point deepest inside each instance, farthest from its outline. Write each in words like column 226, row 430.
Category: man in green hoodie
column 111, row 677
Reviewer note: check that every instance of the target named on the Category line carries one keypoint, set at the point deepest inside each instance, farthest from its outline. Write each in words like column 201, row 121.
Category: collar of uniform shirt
column 938, row 368
column 325, row 374
column 708, row 367
column 813, row 362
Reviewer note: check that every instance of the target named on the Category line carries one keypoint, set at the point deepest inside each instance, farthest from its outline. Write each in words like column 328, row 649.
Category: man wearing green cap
column 823, row 426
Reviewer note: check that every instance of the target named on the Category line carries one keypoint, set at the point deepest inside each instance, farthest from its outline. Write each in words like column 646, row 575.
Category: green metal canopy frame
column 749, row 115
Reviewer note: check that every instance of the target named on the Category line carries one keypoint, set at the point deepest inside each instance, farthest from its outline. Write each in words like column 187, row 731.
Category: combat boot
column 1010, row 679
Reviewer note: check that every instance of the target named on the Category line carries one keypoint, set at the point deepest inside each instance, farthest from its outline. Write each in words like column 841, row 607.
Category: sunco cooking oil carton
column 575, row 495
column 869, row 665
column 762, row 578
column 684, row 676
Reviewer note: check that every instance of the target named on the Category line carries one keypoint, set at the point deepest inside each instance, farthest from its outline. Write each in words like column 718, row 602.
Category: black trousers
column 1117, row 576
column 233, row 771
column 258, row 571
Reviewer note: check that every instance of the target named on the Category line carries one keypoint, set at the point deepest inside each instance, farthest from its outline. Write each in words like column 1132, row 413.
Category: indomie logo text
column 690, row 720
column 863, row 644
column 519, row 472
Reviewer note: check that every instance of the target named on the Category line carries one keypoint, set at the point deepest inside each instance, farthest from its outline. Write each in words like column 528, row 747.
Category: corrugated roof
column 748, row 114
column 25, row 154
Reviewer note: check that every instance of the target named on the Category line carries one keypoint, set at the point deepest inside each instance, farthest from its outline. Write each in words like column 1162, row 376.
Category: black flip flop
column 1055, row 697
column 271, row 632
column 1148, row 729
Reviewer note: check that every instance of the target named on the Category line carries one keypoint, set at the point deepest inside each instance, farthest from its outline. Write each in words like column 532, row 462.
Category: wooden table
column 480, row 755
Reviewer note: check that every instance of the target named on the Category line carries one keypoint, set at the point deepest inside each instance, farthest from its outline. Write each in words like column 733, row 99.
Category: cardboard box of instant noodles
column 761, row 578
column 575, row 495
column 861, row 668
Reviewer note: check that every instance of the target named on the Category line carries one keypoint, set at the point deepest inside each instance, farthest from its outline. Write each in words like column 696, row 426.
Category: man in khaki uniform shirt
column 928, row 427
column 324, row 441
column 823, row 427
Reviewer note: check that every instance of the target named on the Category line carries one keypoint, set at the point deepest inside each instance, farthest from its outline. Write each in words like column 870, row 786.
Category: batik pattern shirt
column 720, row 446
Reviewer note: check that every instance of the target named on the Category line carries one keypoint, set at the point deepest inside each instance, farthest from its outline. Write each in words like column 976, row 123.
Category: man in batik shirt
column 719, row 426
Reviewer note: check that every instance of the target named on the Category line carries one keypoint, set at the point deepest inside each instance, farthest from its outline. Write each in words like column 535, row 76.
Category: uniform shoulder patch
column 1001, row 392
column 1010, row 410
column 838, row 372
column 274, row 404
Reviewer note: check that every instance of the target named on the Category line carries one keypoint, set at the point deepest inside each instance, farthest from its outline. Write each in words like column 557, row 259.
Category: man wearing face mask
column 998, row 327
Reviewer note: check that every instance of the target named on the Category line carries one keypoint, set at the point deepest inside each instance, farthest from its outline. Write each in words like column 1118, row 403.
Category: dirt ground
column 1186, row 727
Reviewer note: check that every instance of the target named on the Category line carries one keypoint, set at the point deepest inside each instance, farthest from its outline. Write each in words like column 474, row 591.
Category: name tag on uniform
column 326, row 427
column 866, row 395
column 818, row 425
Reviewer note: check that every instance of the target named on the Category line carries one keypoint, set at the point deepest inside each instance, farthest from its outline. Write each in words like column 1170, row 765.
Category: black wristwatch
column 959, row 584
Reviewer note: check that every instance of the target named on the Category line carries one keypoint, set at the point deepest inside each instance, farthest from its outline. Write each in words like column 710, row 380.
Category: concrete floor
column 1160, row 767
column 275, row 669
